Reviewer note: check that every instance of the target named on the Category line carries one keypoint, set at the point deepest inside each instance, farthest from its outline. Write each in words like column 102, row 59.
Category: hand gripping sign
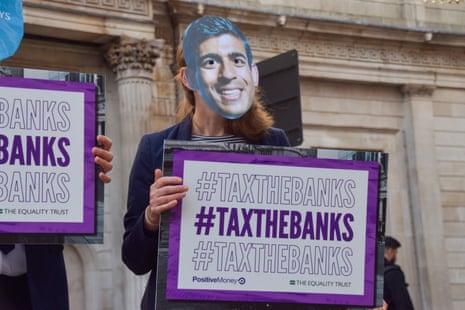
column 11, row 27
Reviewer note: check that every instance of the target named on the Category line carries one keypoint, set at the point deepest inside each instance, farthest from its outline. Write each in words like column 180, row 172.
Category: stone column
column 425, row 198
column 134, row 61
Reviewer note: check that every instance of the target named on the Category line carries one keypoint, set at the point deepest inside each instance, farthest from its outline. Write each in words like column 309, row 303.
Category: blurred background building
column 385, row 75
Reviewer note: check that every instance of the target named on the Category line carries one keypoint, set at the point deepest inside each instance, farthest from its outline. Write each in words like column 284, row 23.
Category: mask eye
column 239, row 61
column 208, row 63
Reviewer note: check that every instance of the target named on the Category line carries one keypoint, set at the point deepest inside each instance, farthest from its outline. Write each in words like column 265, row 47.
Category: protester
column 221, row 104
column 396, row 294
column 33, row 276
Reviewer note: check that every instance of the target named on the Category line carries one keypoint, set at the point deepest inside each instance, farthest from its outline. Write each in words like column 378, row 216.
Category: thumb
column 158, row 174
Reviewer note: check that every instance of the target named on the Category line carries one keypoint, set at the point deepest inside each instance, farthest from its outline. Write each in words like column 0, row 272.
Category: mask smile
column 229, row 94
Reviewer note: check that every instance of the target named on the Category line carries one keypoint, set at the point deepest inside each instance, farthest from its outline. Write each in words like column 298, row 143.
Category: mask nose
column 228, row 70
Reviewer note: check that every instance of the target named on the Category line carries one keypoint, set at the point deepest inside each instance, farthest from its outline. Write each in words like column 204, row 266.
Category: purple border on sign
column 365, row 299
column 88, row 224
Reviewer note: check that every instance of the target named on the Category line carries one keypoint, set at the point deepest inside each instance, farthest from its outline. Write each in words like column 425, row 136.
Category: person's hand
column 103, row 157
column 164, row 195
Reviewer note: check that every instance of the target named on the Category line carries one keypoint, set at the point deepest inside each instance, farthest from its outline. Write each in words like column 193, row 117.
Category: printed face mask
column 221, row 70
column 224, row 79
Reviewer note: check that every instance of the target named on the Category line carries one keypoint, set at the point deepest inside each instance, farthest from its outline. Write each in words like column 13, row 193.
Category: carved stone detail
column 417, row 90
column 136, row 54
column 366, row 52
column 139, row 7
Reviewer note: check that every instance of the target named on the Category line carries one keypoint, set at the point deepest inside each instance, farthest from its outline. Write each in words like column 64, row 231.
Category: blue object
column 11, row 27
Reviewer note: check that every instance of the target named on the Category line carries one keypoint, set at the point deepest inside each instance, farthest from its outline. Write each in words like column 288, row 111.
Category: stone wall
column 449, row 134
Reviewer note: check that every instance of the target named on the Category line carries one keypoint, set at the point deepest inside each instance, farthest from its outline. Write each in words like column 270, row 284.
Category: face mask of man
column 222, row 74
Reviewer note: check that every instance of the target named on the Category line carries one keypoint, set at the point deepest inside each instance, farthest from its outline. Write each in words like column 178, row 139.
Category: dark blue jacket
column 140, row 248
column 46, row 275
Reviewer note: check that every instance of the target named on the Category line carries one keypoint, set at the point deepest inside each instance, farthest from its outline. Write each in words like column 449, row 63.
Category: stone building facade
column 384, row 75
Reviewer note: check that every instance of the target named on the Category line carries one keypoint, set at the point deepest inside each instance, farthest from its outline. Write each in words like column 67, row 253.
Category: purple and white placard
column 273, row 229
column 47, row 178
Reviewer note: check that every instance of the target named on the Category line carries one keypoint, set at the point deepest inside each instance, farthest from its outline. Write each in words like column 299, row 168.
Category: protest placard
column 47, row 175
column 272, row 228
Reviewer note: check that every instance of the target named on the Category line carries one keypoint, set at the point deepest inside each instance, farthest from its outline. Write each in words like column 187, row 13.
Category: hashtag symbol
column 206, row 186
column 205, row 220
column 203, row 255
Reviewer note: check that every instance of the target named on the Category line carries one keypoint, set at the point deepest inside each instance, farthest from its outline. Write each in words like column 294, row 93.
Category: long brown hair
column 252, row 125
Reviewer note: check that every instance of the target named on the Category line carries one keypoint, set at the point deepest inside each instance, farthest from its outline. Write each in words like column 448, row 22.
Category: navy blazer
column 46, row 276
column 140, row 247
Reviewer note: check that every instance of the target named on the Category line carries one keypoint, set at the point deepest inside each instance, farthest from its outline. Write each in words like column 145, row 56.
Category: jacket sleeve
column 140, row 247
